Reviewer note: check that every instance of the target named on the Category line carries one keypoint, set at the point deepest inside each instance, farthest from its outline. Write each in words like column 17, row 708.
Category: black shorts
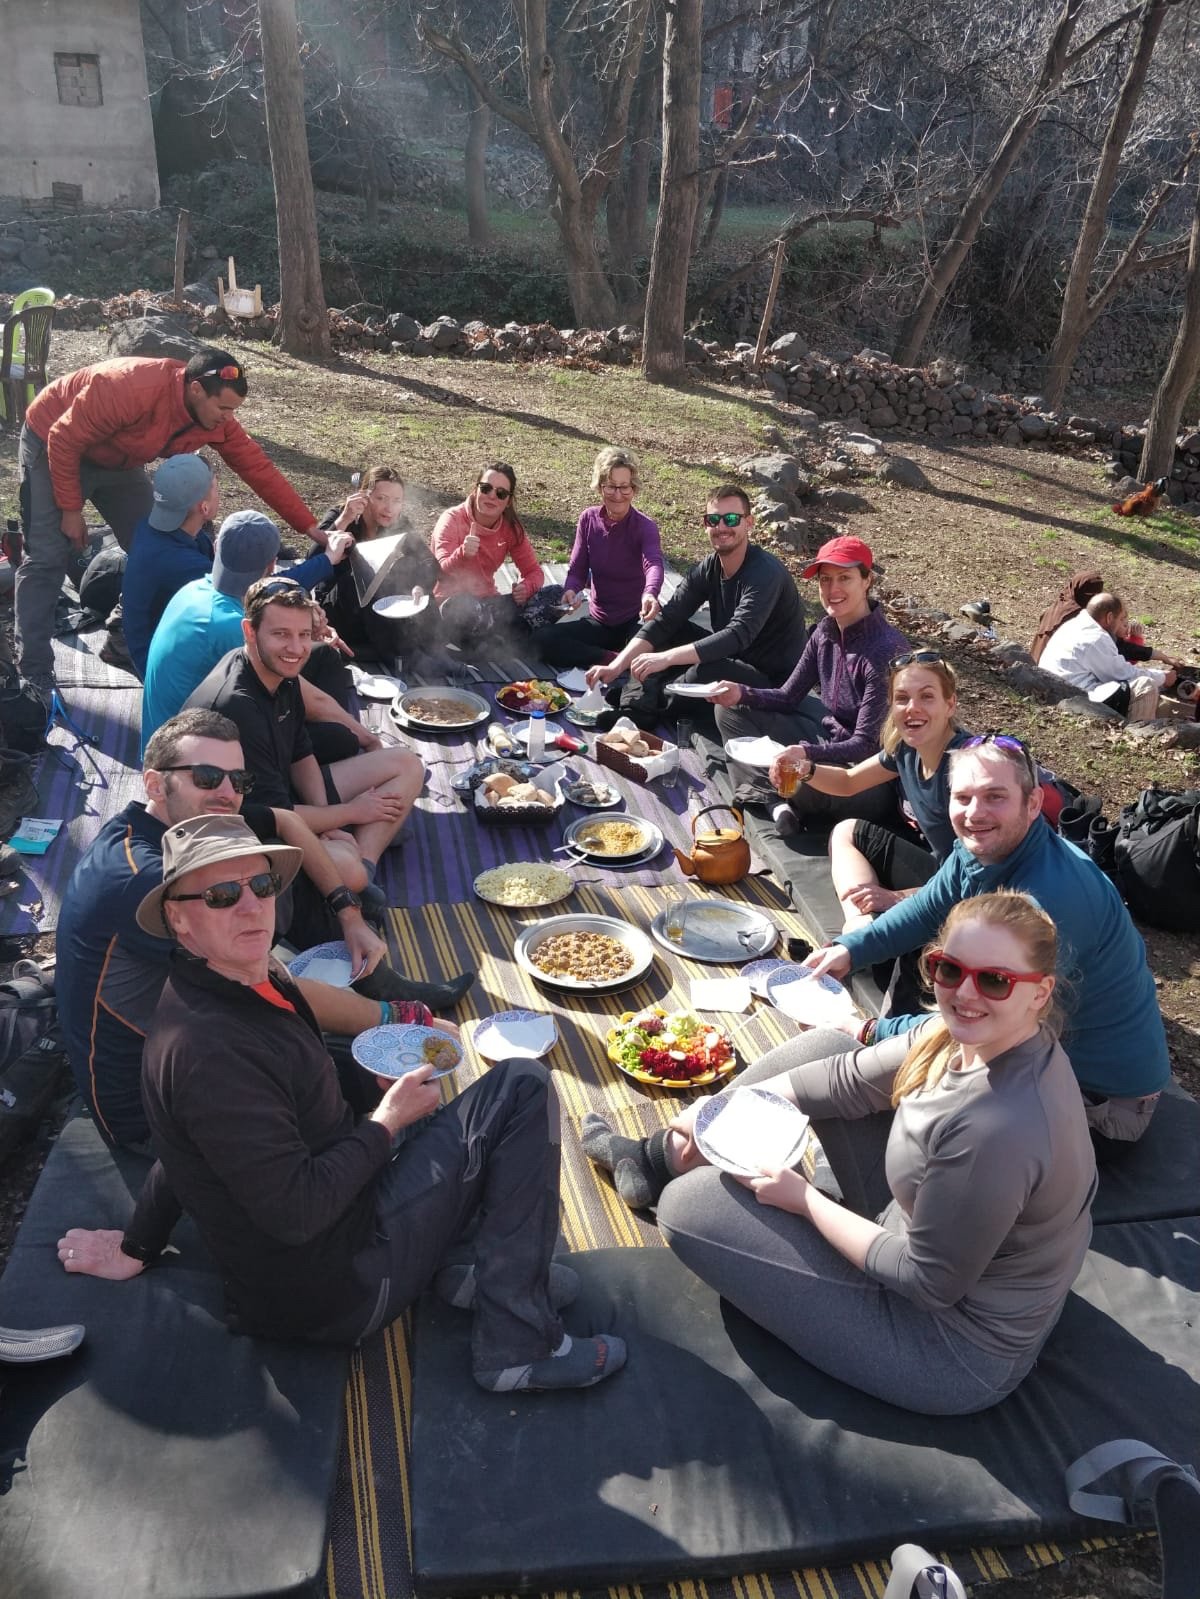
column 897, row 862
column 332, row 797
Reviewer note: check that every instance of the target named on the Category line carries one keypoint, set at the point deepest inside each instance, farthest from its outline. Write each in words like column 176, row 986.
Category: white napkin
column 329, row 969
column 574, row 681
column 753, row 1133
column 524, row 1040
column 720, row 993
column 592, row 702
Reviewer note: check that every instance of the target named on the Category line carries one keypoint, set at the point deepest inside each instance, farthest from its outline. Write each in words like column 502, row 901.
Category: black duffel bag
column 1158, row 858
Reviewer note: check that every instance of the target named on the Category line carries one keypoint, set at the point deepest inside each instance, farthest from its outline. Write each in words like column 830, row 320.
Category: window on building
column 78, row 79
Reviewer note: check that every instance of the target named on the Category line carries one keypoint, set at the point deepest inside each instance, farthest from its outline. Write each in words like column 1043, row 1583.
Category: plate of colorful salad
column 671, row 1049
column 534, row 694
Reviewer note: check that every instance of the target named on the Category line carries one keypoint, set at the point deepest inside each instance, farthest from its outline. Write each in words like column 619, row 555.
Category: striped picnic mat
column 369, row 1555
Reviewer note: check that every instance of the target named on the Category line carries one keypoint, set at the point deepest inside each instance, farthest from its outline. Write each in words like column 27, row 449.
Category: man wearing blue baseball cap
column 171, row 546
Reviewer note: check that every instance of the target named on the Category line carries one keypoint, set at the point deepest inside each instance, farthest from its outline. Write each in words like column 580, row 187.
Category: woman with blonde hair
column 617, row 553
column 976, row 1125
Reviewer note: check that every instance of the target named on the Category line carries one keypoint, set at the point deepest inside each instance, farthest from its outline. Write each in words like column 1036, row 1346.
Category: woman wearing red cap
column 832, row 706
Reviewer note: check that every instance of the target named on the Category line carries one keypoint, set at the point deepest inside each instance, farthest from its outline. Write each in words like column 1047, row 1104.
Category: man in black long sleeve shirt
column 757, row 619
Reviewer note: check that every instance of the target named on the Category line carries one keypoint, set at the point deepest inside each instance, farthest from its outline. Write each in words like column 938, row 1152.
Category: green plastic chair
column 28, row 297
column 26, row 333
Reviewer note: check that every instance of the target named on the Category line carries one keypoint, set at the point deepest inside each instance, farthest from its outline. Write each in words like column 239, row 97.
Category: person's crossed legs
column 394, row 777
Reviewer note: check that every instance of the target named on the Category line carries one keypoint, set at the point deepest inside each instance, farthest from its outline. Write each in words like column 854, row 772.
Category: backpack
column 33, row 1059
column 24, row 714
column 1157, row 855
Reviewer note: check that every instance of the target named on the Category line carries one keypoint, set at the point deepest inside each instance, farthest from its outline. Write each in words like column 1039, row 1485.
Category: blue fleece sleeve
column 908, row 925
column 895, row 1026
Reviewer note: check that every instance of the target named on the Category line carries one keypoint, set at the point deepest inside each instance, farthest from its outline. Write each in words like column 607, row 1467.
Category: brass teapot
column 720, row 855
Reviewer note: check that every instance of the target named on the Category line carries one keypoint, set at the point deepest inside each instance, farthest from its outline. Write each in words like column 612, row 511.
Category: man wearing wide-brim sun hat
column 832, row 706
column 321, row 1226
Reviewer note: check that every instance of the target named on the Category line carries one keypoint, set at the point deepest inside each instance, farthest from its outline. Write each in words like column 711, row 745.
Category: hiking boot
column 1075, row 820
column 115, row 652
column 1101, row 844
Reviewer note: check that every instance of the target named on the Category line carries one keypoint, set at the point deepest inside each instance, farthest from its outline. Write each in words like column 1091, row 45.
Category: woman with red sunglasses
column 471, row 542
column 969, row 1140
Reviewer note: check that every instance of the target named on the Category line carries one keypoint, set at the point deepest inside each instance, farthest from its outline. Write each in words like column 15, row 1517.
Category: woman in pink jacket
column 471, row 542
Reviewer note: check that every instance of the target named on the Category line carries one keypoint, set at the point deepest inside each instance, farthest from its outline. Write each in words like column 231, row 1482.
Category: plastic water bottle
column 537, row 735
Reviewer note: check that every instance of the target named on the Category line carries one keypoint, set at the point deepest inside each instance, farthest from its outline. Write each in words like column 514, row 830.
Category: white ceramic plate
column 324, row 963
column 634, row 940
column 515, row 1035
column 394, row 1050
column 692, row 691
column 746, row 1129
column 397, row 606
column 574, row 681
column 814, row 1002
column 376, row 686
column 758, row 752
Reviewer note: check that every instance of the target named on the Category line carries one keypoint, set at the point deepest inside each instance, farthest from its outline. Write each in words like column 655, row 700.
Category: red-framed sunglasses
column 992, row 982
column 227, row 374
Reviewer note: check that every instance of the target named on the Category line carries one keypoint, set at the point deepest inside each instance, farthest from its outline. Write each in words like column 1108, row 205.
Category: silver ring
column 70, row 1254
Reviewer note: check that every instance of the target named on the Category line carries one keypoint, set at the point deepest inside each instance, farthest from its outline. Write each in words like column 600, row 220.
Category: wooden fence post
column 181, row 234
column 776, row 274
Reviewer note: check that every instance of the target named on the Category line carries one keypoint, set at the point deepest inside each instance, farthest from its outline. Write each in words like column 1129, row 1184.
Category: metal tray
column 402, row 716
column 651, row 835
column 718, row 931
column 634, row 940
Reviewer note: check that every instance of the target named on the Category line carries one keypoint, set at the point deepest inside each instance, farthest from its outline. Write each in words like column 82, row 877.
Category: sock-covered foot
column 638, row 1165
column 787, row 823
column 456, row 1285
column 576, row 1363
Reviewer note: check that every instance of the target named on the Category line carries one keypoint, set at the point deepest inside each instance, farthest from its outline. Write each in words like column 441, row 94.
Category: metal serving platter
column 651, row 835
column 718, row 931
column 634, row 940
column 401, row 714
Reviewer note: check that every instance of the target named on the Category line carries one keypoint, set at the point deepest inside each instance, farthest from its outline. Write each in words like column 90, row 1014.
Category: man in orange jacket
column 89, row 436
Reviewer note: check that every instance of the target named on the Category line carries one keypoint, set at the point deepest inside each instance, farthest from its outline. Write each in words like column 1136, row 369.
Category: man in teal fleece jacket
column 1114, row 1031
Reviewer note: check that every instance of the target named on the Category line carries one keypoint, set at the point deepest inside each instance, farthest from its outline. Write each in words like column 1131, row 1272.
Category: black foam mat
column 1158, row 1176
column 167, row 1457
column 718, row 1451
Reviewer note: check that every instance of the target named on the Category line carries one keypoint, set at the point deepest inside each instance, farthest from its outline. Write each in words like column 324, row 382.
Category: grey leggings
column 778, row 1269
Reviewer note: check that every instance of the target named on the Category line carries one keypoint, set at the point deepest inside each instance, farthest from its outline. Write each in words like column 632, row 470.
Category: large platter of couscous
column 524, row 885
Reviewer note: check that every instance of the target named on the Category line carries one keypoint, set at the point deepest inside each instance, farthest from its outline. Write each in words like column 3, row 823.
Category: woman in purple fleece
column 832, row 706
column 617, row 550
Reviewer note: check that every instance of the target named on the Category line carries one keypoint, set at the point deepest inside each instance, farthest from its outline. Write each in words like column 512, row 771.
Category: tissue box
column 663, row 757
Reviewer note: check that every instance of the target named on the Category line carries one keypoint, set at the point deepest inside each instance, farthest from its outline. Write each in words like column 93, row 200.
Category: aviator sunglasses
column 992, row 982
column 490, row 488
column 916, row 658
column 723, row 518
column 224, row 896
column 204, row 776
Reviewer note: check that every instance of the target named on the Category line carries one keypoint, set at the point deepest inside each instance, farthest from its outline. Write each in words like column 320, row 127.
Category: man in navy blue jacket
column 1114, row 1031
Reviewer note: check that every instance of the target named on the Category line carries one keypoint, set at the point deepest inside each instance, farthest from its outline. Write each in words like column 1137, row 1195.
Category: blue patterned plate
column 745, row 1129
column 819, row 1002
column 396, row 1049
column 325, row 963
column 515, row 1035
column 757, row 972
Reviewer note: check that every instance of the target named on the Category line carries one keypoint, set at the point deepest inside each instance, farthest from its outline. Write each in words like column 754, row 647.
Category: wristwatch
column 342, row 899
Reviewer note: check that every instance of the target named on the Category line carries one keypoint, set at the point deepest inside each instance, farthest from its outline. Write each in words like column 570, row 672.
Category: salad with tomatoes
column 533, row 694
column 672, row 1047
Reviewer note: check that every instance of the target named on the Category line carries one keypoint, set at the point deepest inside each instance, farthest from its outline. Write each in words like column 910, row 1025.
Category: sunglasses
column 723, row 518
column 991, row 982
column 916, row 658
column 227, row 374
column 490, row 488
column 224, row 896
column 1004, row 741
column 204, row 776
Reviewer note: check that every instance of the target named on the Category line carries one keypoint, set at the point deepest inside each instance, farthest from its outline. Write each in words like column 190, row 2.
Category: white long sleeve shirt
column 1082, row 653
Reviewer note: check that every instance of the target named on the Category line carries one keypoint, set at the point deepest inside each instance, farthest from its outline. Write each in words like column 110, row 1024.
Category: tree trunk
column 647, row 112
column 1182, row 371
column 475, row 167
column 303, row 320
column 592, row 300
column 620, row 260
column 717, row 208
column 985, row 189
column 1077, row 317
column 666, row 293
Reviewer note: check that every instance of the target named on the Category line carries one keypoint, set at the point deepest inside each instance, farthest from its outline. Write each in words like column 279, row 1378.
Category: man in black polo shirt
column 756, row 613
column 260, row 689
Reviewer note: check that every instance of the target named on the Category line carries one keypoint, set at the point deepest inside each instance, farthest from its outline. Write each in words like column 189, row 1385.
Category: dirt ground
column 1006, row 523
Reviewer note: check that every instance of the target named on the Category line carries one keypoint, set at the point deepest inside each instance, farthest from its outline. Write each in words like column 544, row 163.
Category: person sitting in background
column 874, row 867
column 756, row 615
column 258, row 688
column 618, row 555
column 322, row 1228
column 1084, row 653
column 1114, row 1030
column 110, row 974
column 846, row 662
column 973, row 1138
column 1082, row 587
column 373, row 511
column 172, row 544
column 203, row 620
column 471, row 542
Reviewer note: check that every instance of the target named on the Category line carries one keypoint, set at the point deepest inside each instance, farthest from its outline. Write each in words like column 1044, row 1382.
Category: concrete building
column 74, row 108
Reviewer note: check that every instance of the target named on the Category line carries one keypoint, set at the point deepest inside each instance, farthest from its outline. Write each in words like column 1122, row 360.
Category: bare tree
column 666, row 293
column 303, row 320
column 479, row 127
column 1058, row 60
column 1181, row 373
column 613, row 32
column 1079, row 308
